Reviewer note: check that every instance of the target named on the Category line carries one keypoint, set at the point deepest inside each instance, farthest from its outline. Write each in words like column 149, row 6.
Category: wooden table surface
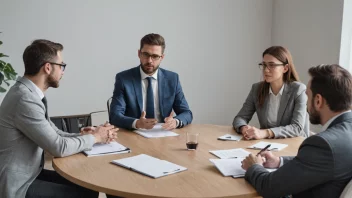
column 202, row 179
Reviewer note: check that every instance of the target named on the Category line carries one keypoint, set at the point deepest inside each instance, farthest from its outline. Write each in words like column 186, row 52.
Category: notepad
column 107, row 149
column 149, row 166
column 231, row 167
column 230, row 137
column 230, row 153
column 273, row 147
column 156, row 132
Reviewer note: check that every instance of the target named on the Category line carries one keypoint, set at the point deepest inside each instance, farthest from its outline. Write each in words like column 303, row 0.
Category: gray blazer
column 292, row 118
column 24, row 133
column 322, row 167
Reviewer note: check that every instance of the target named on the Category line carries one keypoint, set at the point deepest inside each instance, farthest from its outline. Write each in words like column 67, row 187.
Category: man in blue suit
column 136, row 104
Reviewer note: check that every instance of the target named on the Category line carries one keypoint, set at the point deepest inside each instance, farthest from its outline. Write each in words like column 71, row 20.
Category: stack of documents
column 231, row 167
column 230, row 137
column 106, row 149
column 273, row 147
column 149, row 166
column 230, row 153
column 155, row 132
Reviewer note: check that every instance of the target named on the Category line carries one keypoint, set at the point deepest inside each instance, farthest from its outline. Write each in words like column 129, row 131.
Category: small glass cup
column 192, row 141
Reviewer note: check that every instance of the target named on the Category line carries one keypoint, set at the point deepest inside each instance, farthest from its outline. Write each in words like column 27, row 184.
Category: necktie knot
column 149, row 80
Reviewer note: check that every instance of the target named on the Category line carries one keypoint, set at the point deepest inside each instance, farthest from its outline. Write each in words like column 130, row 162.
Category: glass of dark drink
column 192, row 141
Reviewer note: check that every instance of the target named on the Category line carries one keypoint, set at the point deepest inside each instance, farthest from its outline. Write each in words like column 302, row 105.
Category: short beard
column 314, row 116
column 51, row 82
column 147, row 72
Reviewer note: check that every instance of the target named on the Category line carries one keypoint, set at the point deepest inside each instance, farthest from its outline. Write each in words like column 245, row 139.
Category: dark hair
column 334, row 84
column 283, row 55
column 153, row 39
column 38, row 53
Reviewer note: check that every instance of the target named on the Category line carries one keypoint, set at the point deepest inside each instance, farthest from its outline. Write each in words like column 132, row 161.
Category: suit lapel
column 161, row 88
column 265, row 112
column 137, row 84
column 26, row 82
column 283, row 102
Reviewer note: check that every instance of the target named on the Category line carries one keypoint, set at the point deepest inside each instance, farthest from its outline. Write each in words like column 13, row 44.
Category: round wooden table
column 202, row 179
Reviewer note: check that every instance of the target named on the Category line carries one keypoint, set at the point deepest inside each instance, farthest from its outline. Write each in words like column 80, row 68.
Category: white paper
column 150, row 166
column 273, row 147
column 230, row 153
column 230, row 137
column 156, row 132
column 231, row 167
column 107, row 149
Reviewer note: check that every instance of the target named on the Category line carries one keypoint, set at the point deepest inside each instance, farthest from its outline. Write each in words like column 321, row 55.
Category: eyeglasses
column 270, row 66
column 146, row 55
column 63, row 65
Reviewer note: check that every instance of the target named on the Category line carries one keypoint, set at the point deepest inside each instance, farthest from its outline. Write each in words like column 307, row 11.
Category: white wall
column 346, row 36
column 214, row 46
column 311, row 30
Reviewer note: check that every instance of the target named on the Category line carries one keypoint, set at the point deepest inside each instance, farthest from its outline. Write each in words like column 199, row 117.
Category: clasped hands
column 105, row 133
column 251, row 132
column 149, row 123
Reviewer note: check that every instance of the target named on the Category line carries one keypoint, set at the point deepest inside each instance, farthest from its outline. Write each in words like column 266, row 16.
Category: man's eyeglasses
column 146, row 55
column 63, row 65
column 270, row 66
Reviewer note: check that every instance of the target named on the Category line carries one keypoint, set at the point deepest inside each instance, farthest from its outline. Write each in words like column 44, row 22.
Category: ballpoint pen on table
column 172, row 171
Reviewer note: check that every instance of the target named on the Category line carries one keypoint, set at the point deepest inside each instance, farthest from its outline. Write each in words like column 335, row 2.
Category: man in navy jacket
column 136, row 104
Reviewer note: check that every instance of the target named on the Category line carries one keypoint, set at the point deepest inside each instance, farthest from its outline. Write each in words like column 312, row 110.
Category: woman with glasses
column 279, row 100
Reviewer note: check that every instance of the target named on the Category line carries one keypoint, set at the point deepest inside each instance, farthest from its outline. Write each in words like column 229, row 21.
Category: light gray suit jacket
column 292, row 118
column 24, row 133
column 322, row 167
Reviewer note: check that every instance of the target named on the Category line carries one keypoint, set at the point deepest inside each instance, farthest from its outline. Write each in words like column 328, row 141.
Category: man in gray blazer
column 322, row 167
column 26, row 130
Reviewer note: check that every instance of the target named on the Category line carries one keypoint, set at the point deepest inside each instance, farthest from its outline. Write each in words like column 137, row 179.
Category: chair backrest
column 98, row 117
column 347, row 192
column 108, row 103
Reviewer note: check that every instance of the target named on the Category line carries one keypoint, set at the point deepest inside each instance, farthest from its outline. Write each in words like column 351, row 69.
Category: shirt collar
column 144, row 75
column 280, row 92
column 37, row 90
column 326, row 125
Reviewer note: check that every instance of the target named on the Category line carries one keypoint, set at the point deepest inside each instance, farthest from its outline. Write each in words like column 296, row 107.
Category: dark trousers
column 51, row 184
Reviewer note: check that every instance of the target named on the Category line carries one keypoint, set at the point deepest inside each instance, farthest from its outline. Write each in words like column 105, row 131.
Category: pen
column 172, row 171
column 263, row 149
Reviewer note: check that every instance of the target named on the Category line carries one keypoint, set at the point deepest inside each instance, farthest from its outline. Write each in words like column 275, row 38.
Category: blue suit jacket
column 127, row 101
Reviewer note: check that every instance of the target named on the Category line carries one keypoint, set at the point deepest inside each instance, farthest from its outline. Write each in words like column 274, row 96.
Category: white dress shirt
column 274, row 105
column 145, row 85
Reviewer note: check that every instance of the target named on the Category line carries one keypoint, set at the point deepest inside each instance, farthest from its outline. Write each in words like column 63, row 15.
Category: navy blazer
column 127, row 100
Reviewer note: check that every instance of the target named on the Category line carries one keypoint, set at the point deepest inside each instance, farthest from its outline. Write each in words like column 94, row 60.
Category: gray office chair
column 108, row 103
